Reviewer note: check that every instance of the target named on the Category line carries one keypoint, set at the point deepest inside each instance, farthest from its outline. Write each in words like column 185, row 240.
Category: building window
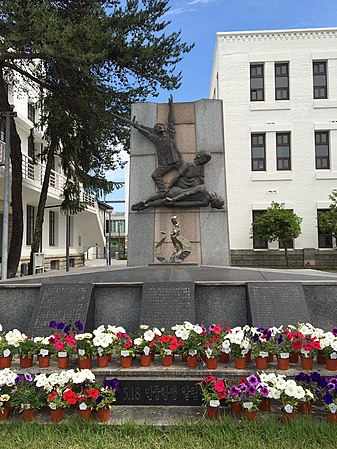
column 256, row 82
column 2, row 131
column 118, row 226
column 259, row 243
column 320, row 79
column 282, row 81
column 258, row 152
column 324, row 238
column 30, row 224
column 31, row 112
column 283, row 151
column 52, row 228
column 322, row 149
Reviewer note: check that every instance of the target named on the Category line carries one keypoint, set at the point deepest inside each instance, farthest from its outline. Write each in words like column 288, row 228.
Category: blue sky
column 200, row 20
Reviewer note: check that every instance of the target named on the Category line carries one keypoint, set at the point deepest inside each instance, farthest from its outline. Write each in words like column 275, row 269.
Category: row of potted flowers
column 189, row 340
column 258, row 391
column 28, row 393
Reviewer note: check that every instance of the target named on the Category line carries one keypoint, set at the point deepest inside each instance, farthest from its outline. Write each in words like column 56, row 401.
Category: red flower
column 70, row 397
column 52, row 395
column 209, row 379
column 219, row 386
column 164, row 339
column 296, row 345
column 59, row 346
column 119, row 335
column 222, row 394
column 217, row 329
column 92, row 392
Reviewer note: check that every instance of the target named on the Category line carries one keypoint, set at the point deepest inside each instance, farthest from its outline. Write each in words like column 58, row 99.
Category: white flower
column 138, row 341
column 157, row 331
column 143, row 326
column 198, row 329
column 149, row 335
column 4, row 398
column 189, row 326
column 84, row 336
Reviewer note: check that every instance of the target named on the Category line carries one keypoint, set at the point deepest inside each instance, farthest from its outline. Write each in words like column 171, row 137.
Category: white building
column 279, row 93
column 86, row 228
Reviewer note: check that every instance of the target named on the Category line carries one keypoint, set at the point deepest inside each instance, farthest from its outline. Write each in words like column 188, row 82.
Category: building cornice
column 282, row 35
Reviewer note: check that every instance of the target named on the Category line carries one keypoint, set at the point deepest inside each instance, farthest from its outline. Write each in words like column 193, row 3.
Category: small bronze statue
column 182, row 246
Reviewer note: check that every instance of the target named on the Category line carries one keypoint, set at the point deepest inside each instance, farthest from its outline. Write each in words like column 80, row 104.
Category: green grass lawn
column 227, row 433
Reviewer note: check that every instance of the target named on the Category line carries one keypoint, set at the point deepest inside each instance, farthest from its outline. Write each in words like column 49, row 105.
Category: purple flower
column 79, row 325
column 253, row 380
column 328, row 398
column 112, row 383
column 233, row 391
column 302, row 377
column 261, row 329
column 255, row 337
column 28, row 377
column 53, row 324
column 334, row 331
column 211, row 327
column 99, row 399
column 243, row 388
column 264, row 392
column 67, row 328
column 252, row 391
column 19, row 379
column 59, row 326
column 280, row 339
column 331, row 386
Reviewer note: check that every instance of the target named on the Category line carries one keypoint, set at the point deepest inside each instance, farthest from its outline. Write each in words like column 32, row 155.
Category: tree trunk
column 286, row 254
column 14, row 253
column 42, row 203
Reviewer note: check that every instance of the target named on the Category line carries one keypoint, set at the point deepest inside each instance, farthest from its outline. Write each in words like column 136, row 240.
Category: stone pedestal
column 199, row 127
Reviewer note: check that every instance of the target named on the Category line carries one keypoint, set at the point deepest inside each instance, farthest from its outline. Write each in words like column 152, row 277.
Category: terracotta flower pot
column 212, row 363
column 103, row 414
column 183, row 358
column 126, row 362
column 85, row 362
column 261, row 362
column 145, row 360
column 270, row 358
column 192, row 361
column 212, row 412
column 236, row 408
column 102, row 361
column 331, row 364
column 56, row 415
column 320, row 358
column 288, row 416
column 331, row 417
column 304, row 407
column 283, row 364
column 29, row 414
column 307, row 363
column 224, row 357
column 167, row 360
column 4, row 414
column 26, row 361
column 63, row 362
column 251, row 415
column 265, row 405
column 248, row 356
column 5, row 362
column 293, row 357
column 44, row 361
column 85, row 415
column 240, row 362
column 152, row 354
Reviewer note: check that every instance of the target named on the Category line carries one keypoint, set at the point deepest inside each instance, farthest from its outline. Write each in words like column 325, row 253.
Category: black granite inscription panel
column 165, row 304
column 62, row 302
column 277, row 303
column 158, row 392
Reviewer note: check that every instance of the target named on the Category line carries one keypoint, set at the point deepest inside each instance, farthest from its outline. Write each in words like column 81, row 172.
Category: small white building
column 86, row 228
column 279, row 93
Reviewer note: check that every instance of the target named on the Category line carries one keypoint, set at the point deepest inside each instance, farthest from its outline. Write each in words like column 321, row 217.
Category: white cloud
column 196, row 2
column 175, row 11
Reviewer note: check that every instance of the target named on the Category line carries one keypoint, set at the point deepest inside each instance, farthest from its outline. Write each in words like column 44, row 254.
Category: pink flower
column 59, row 346
column 219, row 386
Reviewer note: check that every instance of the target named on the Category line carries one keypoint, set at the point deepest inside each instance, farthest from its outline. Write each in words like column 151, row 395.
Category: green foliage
column 327, row 221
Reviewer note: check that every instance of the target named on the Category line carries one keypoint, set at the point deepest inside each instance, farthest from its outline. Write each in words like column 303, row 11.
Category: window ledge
column 324, row 104
column 326, row 174
column 275, row 176
column 275, row 105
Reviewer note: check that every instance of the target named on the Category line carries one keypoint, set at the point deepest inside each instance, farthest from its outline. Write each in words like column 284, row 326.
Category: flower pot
column 283, row 364
column 331, row 364
column 85, row 362
column 4, row 414
column 236, row 408
column 26, row 361
column 103, row 414
column 224, row 357
column 251, row 415
column 29, row 414
column 212, row 363
column 63, row 362
column 145, row 360
column 331, row 417
column 261, row 362
column 293, row 357
column 288, row 416
column 56, row 415
column 167, row 360
column 265, row 405
column 240, row 362
column 85, row 415
column 126, row 362
column 248, row 356
column 192, row 361
column 102, row 361
column 109, row 357
column 212, row 412
column 184, row 358
column 44, row 361
column 5, row 362
column 305, row 408
column 307, row 363
column 270, row 358
column 320, row 358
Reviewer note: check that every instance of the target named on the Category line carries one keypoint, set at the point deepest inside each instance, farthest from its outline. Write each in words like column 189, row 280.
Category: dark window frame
column 325, row 239
column 280, row 160
column 259, row 243
column 52, row 228
column 30, row 219
column 320, row 90
column 283, row 91
column 257, row 160
column 255, row 93
column 319, row 164
column 31, row 112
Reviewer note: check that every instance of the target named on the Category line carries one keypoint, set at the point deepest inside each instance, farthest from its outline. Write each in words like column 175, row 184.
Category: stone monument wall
column 199, row 127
